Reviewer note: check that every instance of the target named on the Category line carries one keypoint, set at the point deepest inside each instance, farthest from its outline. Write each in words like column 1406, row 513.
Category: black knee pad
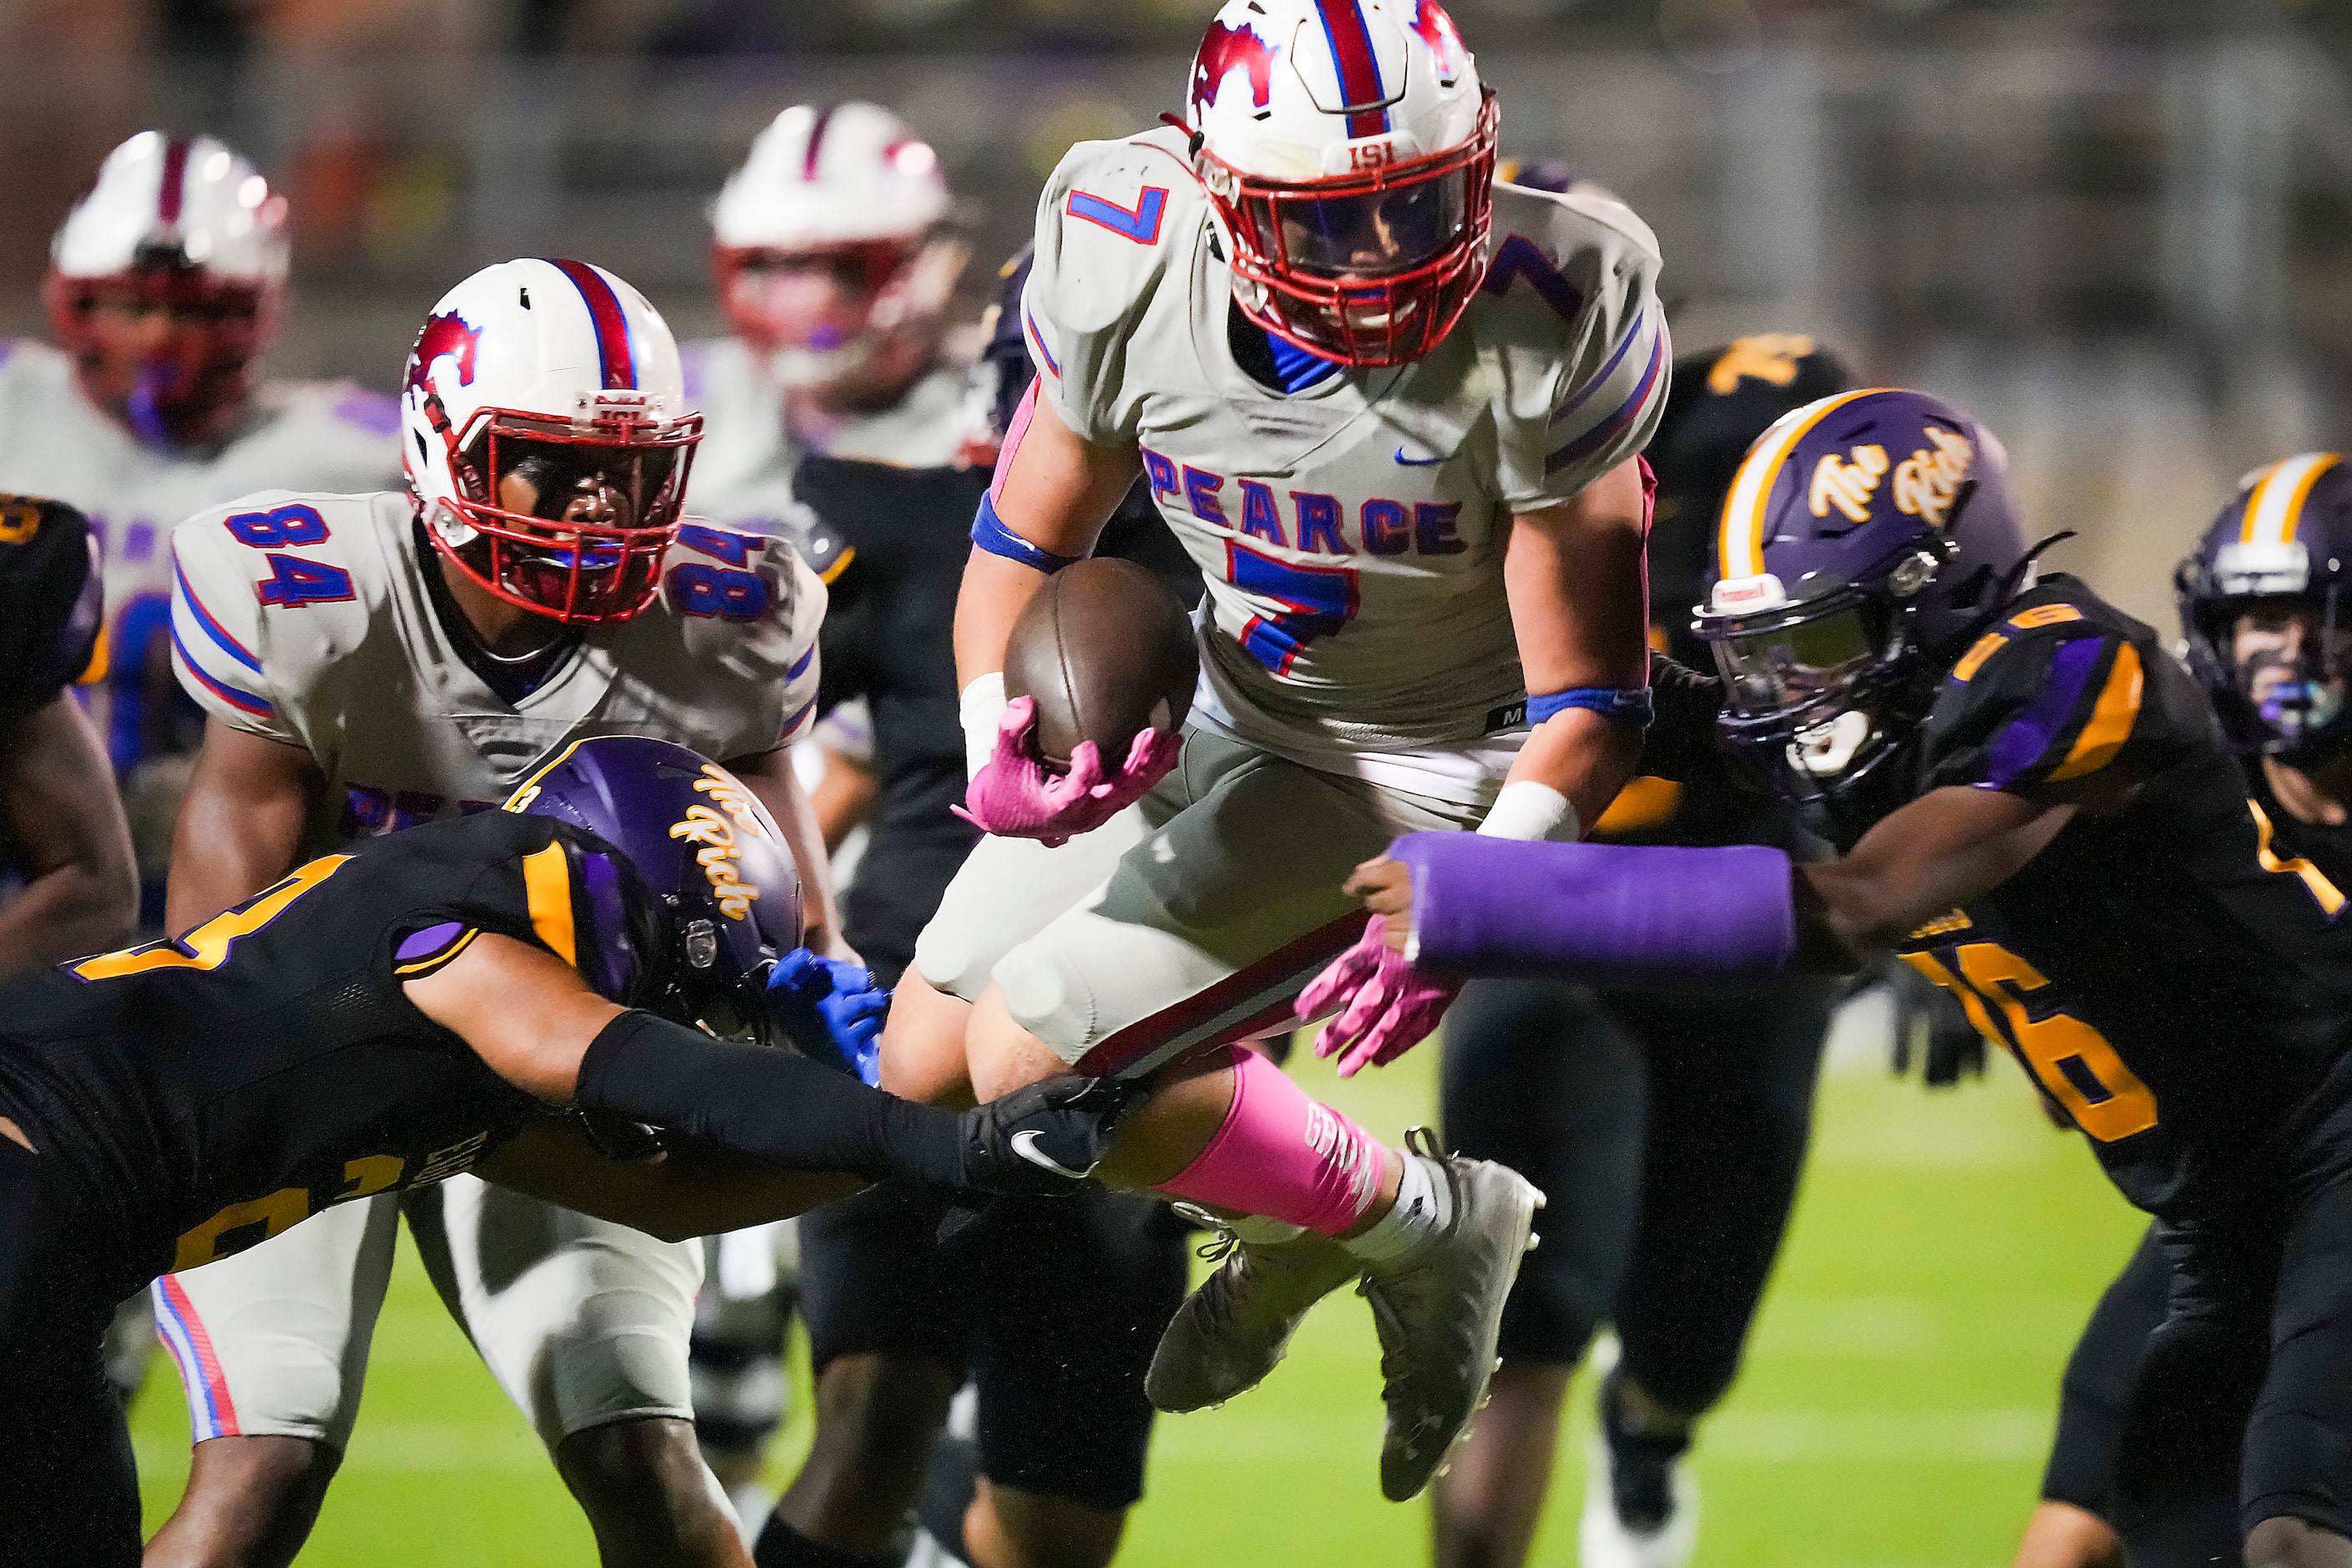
column 873, row 1280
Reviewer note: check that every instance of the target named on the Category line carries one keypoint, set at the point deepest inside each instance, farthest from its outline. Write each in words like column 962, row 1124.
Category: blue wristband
column 988, row 532
column 1633, row 706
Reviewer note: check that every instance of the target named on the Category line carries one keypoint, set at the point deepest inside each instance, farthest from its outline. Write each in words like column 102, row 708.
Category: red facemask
column 169, row 350
column 613, row 488
column 1369, row 268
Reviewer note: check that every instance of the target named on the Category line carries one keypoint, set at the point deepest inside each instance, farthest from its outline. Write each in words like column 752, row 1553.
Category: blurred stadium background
column 2115, row 228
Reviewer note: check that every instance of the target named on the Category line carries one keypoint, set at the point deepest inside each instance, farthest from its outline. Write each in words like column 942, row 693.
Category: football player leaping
column 416, row 1005
column 1392, row 410
column 165, row 284
column 371, row 661
column 2038, row 811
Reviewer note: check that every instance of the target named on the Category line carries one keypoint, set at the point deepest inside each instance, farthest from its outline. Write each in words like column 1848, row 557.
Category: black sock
column 781, row 1546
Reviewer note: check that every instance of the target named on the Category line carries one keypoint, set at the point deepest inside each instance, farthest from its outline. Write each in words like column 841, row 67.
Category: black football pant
column 1667, row 1132
column 2212, row 1388
column 70, row 1492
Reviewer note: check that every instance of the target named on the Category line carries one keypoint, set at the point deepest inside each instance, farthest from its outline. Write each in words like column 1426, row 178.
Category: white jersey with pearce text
column 332, row 436
column 1351, row 533
column 307, row 619
column 742, row 475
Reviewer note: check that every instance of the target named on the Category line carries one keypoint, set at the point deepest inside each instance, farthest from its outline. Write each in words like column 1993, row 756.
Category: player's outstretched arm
column 63, row 827
column 1622, row 914
column 240, row 824
column 536, row 1024
column 1580, row 611
column 675, row 1195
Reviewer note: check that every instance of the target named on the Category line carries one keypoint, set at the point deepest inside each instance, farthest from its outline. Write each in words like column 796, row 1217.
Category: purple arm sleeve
column 1612, row 914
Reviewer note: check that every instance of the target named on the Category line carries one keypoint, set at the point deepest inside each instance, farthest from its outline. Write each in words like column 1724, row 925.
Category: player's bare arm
column 1573, row 574
column 1055, row 492
column 241, row 824
column 772, row 778
column 64, row 829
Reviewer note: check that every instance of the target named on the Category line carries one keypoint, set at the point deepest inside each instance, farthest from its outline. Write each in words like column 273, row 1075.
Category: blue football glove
column 832, row 1011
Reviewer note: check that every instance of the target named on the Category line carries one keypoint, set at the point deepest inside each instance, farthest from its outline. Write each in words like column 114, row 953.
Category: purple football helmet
column 2261, row 609
column 1866, row 540
column 716, row 898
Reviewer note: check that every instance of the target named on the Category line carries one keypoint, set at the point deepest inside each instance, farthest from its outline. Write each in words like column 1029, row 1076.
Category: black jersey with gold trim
column 51, row 614
column 2166, row 969
column 210, row 1090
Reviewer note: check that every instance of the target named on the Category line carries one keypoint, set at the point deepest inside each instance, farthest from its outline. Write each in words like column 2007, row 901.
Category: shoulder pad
column 50, row 600
column 1107, row 226
column 1570, row 313
column 2052, row 693
column 749, row 603
column 267, row 592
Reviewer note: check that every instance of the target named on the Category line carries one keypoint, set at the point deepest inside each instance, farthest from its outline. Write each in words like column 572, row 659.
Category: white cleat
column 1640, row 1503
column 1233, row 1331
column 1438, row 1313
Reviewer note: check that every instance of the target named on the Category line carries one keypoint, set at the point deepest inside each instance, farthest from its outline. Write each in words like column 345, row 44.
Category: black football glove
column 1042, row 1139
column 1931, row 1029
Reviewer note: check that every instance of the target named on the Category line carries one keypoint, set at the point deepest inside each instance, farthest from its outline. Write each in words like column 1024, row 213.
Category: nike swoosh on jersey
column 1420, row 462
column 1025, row 1145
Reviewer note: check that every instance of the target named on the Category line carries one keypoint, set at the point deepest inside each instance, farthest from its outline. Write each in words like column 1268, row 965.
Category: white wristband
column 982, row 705
column 1529, row 810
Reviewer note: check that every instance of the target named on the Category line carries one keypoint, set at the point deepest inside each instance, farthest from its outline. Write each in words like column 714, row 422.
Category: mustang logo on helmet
column 1226, row 51
column 446, row 334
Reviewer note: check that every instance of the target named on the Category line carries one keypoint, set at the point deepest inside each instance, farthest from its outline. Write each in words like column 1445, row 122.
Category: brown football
column 1107, row 651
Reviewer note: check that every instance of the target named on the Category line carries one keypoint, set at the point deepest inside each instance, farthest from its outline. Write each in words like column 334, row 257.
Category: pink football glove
column 1016, row 795
column 1392, row 1006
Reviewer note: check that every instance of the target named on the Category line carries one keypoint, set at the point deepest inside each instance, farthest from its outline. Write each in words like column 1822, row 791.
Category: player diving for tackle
column 2037, row 809
column 1392, row 410
column 525, row 994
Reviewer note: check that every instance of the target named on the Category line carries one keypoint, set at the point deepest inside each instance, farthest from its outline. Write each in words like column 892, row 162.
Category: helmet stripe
column 816, row 142
column 1359, row 68
column 171, row 195
column 618, row 366
column 2274, row 509
column 1740, row 553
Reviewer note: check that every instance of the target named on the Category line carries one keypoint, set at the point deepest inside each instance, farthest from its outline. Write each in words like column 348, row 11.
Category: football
column 1106, row 651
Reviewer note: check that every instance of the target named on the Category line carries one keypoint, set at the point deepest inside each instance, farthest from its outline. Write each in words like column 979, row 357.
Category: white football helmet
column 1349, row 151
column 186, row 242
column 546, row 438
column 832, row 243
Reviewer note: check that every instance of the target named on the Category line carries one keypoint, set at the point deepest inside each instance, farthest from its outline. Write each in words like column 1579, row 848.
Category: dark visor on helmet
column 1371, row 233
column 1787, row 663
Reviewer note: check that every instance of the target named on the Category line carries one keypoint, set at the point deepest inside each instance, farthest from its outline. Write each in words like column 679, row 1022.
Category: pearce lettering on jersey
column 1312, row 521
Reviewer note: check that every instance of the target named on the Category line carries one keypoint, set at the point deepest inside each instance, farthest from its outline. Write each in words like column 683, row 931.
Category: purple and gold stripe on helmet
column 616, row 367
column 1359, row 65
column 1740, row 547
column 2275, row 504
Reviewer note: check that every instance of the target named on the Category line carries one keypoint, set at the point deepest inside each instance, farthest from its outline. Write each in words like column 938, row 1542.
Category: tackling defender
column 1668, row 1126
column 1393, row 411
column 2039, row 812
column 2258, row 604
column 411, row 1007
column 59, row 821
column 369, row 662
column 166, row 282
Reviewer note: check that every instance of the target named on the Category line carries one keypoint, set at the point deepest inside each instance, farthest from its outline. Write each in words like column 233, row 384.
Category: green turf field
column 1892, row 1415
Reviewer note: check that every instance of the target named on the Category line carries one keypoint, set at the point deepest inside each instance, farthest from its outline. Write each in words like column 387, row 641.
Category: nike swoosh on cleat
column 1418, row 462
column 1025, row 1145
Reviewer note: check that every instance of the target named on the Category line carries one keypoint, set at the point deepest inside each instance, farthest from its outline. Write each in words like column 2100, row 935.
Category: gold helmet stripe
column 1740, row 549
column 2274, row 509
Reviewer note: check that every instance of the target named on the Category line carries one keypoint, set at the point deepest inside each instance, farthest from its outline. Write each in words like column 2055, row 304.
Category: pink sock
column 1283, row 1156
